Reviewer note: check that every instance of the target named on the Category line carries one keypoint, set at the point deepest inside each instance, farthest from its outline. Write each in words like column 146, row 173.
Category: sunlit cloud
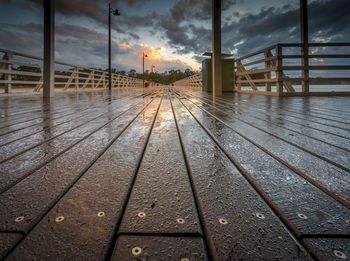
column 159, row 57
column 124, row 45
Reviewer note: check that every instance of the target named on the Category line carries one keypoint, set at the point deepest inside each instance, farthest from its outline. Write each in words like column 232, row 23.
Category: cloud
column 328, row 19
column 185, row 28
column 156, row 56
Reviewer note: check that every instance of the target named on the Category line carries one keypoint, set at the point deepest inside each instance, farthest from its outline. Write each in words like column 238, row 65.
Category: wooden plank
column 159, row 248
column 271, row 118
column 30, row 142
column 294, row 158
column 7, row 240
column 284, row 187
column 162, row 190
column 332, row 154
column 239, row 224
column 36, row 158
column 50, row 127
column 328, row 248
column 93, row 205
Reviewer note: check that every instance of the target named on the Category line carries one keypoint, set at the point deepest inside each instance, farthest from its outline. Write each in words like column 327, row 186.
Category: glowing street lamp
column 143, row 69
column 116, row 13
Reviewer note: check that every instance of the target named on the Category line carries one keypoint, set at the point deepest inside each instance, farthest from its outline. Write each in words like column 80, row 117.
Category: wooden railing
column 283, row 70
column 194, row 81
column 25, row 71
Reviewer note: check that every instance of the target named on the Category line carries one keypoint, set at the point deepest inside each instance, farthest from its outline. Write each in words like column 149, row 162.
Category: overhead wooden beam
column 216, row 46
column 49, row 48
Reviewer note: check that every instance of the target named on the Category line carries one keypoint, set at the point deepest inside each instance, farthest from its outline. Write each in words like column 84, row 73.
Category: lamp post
column 143, row 69
column 116, row 13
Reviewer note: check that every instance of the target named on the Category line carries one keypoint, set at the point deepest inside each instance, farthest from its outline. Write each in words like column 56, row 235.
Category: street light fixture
column 116, row 13
column 143, row 69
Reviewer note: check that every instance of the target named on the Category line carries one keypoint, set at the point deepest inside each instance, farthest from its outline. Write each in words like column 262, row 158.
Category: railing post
column 93, row 79
column 76, row 78
column 8, row 75
column 237, row 78
column 267, row 74
column 279, row 71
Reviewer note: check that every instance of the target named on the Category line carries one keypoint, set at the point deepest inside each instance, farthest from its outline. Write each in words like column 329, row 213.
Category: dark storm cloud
column 73, row 43
column 97, row 11
column 327, row 19
column 183, row 26
column 182, row 29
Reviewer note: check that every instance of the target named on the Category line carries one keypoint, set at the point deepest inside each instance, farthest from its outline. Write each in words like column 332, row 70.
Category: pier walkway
column 173, row 174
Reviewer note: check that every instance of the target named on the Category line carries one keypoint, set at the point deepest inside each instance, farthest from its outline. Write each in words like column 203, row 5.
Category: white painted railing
column 193, row 81
column 25, row 71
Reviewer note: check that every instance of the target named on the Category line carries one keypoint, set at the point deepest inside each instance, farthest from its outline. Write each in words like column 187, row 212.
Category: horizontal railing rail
column 268, row 71
column 24, row 70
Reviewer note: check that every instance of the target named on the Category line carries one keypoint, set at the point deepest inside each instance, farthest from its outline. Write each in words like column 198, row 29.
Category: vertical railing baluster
column 76, row 78
column 305, row 70
column 267, row 74
column 8, row 75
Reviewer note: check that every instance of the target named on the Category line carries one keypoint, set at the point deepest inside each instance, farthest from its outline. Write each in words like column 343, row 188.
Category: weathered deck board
column 159, row 248
column 239, row 224
column 103, row 189
column 232, row 178
column 326, row 176
column 36, row 158
column 162, row 191
column 288, row 191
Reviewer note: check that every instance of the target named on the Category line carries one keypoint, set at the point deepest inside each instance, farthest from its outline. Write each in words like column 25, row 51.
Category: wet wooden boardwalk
column 172, row 174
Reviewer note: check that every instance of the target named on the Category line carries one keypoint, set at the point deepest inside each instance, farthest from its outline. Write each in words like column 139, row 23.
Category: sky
column 173, row 33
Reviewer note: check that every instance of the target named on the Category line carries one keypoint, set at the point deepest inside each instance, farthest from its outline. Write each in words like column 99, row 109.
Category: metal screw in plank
column 136, row 251
column 339, row 254
column 180, row 221
column 101, row 214
column 19, row 219
column 141, row 214
column 302, row 216
column 260, row 215
column 59, row 219
column 223, row 221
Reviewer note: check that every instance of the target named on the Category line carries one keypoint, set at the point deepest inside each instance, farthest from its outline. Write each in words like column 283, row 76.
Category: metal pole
column 143, row 70
column 49, row 49
column 109, row 49
column 216, row 58
column 304, row 34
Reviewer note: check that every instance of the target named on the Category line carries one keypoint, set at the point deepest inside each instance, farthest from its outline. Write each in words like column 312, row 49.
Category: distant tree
column 132, row 72
column 167, row 77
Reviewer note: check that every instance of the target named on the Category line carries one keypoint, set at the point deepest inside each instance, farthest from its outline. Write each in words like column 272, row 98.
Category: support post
column 304, row 31
column 216, row 46
column 109, row 49
column 143, row 70
column 8, row 76
column 49, row 48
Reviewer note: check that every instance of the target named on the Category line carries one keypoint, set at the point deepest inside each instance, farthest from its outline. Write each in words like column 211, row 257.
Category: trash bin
column 227, row 75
